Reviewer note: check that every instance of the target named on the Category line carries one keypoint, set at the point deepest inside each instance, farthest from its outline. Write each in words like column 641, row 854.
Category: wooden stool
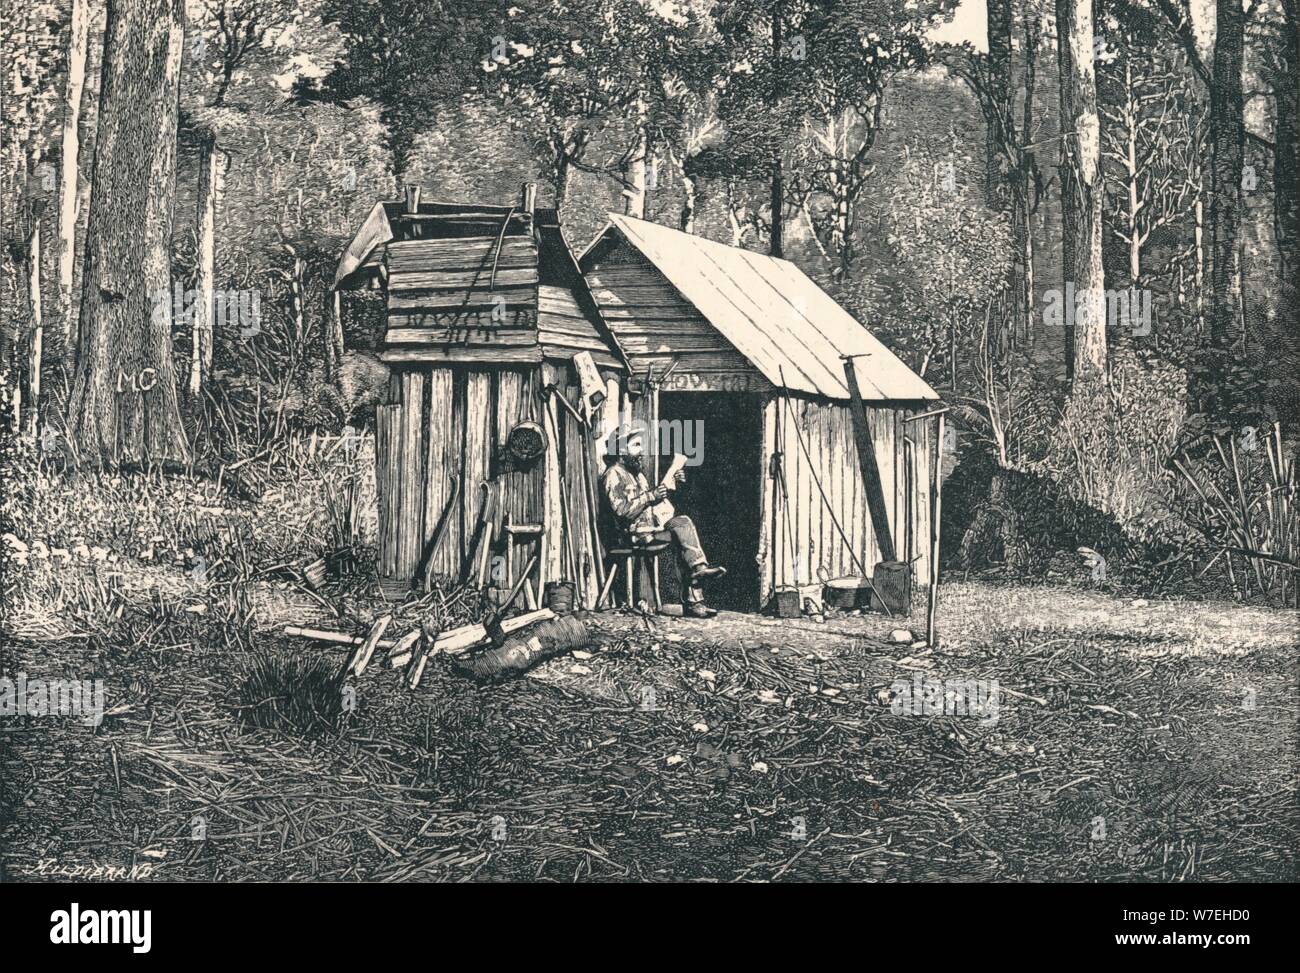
column 631, row 557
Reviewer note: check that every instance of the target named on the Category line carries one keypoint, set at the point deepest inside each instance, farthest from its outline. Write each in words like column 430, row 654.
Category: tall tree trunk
column 35, row 346
column 1198, row 245
column 1227, row 156
column 75, row 337
column 201, row 336
column 1003, row 128
column 1131, row 176
column 1027, row 280
column 124, row 405
column 690, row 190
column 1083, row 189
column 776, row 236
column 688, row 204
column 842, row 228
column 560, row 179
column 1020, row 272
column 1023, row 222
column 78, row 48
column 1286, row 167
column 634, row 196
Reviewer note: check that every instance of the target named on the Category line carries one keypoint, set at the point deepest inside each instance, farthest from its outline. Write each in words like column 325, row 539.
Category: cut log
column 338, row 638
column 361, row 657
column 415, row 671
column 403, row 645
column 467, row 636
column 517, row 655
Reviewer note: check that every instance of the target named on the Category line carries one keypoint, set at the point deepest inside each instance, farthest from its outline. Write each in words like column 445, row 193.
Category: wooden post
column 387, row 475
column 476, row 420
column 552, row 546
column 936, row 507
column 411, row 541
column 870, row 469
column 334, row 338
column 653, row 438
column 442, row 500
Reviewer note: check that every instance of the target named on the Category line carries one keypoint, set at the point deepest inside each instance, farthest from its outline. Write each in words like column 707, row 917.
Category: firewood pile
column 491, row 650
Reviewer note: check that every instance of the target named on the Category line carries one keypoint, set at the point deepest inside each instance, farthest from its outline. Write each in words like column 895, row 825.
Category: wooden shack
column 748, row 349
column 486, row 310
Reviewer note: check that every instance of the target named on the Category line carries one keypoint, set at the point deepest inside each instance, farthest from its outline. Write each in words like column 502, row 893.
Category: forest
column 1077, row 220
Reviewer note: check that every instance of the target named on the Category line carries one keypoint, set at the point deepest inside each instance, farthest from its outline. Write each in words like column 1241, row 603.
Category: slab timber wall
column 447, row 423
column 806, row 545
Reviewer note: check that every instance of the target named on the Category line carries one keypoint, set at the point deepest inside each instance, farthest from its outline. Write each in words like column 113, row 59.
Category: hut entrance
column 723, row 493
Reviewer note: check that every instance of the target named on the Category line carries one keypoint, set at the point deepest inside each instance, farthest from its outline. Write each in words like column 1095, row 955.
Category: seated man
column 644, row 514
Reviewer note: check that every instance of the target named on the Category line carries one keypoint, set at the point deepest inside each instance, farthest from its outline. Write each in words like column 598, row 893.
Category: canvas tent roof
column 791, row 330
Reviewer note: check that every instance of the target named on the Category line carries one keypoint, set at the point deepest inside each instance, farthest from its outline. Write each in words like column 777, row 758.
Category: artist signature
column 53, row 868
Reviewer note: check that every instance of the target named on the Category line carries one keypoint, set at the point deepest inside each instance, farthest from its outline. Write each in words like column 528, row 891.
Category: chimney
column 528, row 198
column 412, row 198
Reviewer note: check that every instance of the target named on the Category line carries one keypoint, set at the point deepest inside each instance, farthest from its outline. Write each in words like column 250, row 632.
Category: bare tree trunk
column 1286, row 169
column 842, row 225
column 1131, row 175
column 561, row 179
column 124, row 405
column 634, row 197
column 75, row 338
column 1083, row 190
column 34, row 351
column 735, row 212
column 999, row 59
column 1227, row 155
column 776, row 236
column 1199, row 256
column 1023, row 201
column 201, row 335
column 1029, row 168
column 78, row 48
column 689, row 190
column 1027, row 280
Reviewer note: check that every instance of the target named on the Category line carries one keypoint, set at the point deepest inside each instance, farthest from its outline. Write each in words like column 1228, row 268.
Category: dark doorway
column 723, row 493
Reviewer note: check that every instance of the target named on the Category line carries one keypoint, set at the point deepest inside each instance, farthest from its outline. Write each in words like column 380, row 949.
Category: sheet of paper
column 676, row 466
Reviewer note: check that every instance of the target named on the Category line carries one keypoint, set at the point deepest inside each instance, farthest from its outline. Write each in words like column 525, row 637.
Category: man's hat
column 616, row 442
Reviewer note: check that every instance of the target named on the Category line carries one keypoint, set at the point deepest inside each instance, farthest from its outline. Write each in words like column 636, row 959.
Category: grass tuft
column 292, row 693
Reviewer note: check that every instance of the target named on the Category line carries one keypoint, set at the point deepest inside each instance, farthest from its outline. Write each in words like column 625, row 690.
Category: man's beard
column 633, row 463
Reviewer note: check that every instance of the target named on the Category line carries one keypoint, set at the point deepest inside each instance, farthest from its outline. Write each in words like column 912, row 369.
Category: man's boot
column 697, row 609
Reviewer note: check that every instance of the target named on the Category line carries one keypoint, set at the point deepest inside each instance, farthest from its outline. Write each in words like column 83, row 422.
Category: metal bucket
column 785, row 603
column 846, row 593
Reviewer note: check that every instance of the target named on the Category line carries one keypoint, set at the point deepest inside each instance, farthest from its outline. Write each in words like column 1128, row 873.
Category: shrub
column 1239, row 493
column 1111, row 450
column 1030, row 524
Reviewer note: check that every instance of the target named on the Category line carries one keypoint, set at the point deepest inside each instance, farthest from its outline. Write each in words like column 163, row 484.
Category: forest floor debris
column 1136, row 744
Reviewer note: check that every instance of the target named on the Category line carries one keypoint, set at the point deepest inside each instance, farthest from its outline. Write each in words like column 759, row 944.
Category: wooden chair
column 631, row 556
